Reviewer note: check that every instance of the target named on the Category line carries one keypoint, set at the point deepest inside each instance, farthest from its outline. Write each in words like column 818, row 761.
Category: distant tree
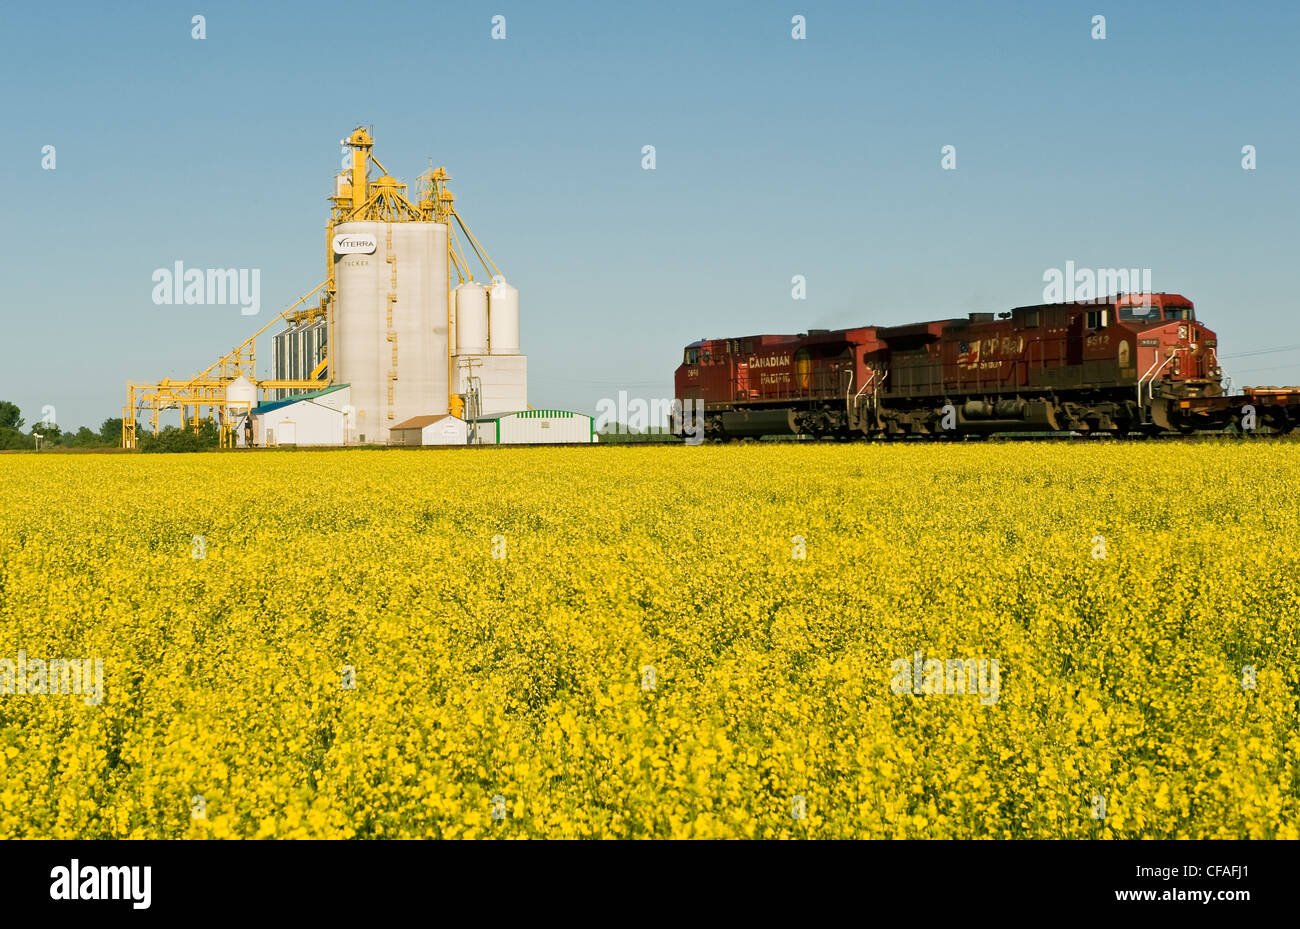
column 111, row 432
column 11, row 437
column 619, row 433
column 10, row 416
column 85, row 437
column 177, row 439
column 49, row 433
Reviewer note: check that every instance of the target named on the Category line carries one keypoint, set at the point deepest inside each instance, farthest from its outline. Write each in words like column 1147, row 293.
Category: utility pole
column 473, row 392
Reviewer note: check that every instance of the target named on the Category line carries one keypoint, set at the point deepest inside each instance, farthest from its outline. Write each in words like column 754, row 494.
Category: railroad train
column 1132, row 363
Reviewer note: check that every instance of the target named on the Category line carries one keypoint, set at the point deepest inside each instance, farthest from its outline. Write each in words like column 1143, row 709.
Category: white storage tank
column 471, row 319
column 410, row 355
column 503, row 318
column 243, row 391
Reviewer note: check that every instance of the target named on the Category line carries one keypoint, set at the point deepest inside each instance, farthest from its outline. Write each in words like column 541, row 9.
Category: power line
column 1271, row 368
column 1262, row 351
column 588, row 383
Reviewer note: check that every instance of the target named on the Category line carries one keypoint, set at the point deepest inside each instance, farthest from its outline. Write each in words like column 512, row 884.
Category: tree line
column 109, row 435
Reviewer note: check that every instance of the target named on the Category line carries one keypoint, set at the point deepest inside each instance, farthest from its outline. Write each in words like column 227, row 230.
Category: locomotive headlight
column 1193, row 346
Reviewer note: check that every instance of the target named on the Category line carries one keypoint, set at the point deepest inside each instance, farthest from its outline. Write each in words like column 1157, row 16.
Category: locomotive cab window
column 1149, row 313
column 1031, row 319
column 1098, row 319
column 692, row 356
column 1178, row 312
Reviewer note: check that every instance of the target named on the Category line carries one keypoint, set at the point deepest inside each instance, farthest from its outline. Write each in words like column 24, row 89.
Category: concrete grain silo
column 471, row 319
column 390, row 321
column 503, row 318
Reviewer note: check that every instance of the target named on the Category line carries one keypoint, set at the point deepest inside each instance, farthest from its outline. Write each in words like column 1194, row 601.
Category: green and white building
column 533, row 427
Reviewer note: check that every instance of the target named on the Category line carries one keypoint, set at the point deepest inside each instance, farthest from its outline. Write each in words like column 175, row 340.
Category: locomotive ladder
column 874, row 401
column 1151, row 374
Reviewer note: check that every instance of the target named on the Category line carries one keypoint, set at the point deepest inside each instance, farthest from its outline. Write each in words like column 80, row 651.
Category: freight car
column 1133, row 363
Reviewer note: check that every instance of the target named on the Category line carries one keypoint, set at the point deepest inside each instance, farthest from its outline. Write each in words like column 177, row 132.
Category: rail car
column 1135, row 363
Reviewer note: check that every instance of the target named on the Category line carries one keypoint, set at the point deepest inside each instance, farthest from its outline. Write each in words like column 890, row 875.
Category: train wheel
column 1281, row 424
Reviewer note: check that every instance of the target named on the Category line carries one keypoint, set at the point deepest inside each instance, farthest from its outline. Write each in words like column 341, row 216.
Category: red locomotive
column 1137, row 363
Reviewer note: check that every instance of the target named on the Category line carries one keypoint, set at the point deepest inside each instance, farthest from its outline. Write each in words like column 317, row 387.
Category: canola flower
column 667, row 642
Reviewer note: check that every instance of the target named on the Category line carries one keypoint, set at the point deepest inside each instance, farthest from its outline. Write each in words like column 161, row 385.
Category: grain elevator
column 401, row 330
column 401, row 319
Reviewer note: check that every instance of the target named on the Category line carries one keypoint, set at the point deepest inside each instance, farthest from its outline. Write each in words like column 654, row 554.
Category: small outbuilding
column 315, row 418
column 429, row 430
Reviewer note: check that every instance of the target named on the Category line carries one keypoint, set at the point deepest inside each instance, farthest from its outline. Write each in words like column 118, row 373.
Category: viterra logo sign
column 349, row 243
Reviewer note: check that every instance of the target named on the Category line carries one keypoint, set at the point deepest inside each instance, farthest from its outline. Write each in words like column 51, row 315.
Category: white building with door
column 321, row 417
column 429, row 430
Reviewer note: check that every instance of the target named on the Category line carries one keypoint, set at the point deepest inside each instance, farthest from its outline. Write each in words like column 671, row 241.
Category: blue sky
column 775, row 157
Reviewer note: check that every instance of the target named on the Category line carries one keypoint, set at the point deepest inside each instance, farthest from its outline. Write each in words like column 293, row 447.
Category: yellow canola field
column 623, row 641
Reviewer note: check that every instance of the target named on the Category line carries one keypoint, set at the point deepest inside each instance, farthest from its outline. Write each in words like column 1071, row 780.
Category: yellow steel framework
column 208, row 388
column 356, row 197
